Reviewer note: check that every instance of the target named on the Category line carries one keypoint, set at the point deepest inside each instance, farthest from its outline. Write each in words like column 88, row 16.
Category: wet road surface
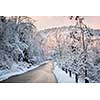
column 42, row 74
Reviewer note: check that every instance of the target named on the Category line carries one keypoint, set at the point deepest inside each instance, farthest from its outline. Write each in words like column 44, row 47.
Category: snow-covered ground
column 62, row 77
column 17, row 69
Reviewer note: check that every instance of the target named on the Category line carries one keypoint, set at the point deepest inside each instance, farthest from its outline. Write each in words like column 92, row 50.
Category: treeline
column 18, row 41
column 68, row 51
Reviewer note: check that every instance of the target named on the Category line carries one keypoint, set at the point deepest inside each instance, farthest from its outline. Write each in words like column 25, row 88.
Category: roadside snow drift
column 18, row 69
column 61, row 76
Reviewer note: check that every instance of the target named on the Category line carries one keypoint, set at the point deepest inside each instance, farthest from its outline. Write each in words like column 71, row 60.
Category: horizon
column 45, row 22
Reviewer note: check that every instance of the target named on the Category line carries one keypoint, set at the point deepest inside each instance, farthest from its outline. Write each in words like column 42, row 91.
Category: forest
column 75, row 49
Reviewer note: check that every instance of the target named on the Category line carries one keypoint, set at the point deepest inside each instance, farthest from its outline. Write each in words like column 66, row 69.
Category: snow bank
column 62, row 77
column 18, row 69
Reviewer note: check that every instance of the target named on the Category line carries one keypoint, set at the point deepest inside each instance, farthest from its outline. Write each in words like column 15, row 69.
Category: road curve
column 42, row 74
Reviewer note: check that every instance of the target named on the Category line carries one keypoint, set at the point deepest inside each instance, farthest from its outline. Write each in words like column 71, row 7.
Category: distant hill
column 44, row 33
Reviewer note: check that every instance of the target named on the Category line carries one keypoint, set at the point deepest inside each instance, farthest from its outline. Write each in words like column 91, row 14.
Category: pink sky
column 43, row 22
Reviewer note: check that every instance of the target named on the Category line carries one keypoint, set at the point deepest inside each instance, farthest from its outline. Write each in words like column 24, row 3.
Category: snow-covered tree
column 18, row 41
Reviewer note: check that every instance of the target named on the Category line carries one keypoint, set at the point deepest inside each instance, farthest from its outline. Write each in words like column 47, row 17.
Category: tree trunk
column 66, row 71
column 70, row 74
column 85, row 72
column 76, row 78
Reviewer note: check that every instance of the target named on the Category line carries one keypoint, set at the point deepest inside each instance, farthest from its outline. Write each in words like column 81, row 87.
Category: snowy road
column 42, row 74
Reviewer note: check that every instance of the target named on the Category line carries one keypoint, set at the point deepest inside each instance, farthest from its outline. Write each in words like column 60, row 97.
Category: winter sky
column 43, row 22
